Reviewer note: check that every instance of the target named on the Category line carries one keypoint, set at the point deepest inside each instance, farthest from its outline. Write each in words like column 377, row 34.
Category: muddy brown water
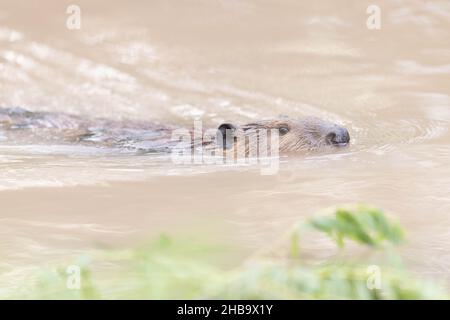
column 177, row 61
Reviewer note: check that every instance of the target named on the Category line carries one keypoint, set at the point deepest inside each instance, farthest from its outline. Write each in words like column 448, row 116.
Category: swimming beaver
column 23, row 126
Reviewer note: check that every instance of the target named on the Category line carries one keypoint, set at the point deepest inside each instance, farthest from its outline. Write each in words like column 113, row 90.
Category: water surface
column 177, row 61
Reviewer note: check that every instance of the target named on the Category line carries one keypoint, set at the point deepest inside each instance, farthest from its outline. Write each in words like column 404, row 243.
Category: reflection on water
column 176, row 61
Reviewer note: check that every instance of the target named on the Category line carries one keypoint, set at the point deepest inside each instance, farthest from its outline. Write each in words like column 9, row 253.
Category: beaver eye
column 283, row 130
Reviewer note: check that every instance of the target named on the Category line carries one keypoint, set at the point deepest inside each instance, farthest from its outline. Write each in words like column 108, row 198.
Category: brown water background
column 217, row 60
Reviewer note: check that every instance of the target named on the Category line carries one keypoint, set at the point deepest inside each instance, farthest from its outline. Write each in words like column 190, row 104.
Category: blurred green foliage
column 168, row 269
column 365, row 225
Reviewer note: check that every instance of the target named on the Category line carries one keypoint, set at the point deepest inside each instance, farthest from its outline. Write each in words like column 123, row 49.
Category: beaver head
column 294, row 135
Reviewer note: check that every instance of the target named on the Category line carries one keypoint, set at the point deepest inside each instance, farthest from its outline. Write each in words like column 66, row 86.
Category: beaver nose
column 339, row 136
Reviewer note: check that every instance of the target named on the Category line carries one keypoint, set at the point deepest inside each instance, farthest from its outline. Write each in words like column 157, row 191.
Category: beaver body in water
column 22, row 126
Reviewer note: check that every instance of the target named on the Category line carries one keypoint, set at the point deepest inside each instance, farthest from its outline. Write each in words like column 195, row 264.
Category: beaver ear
column 226, row 135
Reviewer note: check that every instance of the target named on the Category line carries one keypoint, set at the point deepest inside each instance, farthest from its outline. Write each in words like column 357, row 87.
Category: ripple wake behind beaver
column 21, row 126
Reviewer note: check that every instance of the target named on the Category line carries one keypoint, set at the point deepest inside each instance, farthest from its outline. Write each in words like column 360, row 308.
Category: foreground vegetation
column 364, row 265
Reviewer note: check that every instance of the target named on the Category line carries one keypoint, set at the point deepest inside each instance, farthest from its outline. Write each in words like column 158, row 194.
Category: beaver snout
column 339, row 136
